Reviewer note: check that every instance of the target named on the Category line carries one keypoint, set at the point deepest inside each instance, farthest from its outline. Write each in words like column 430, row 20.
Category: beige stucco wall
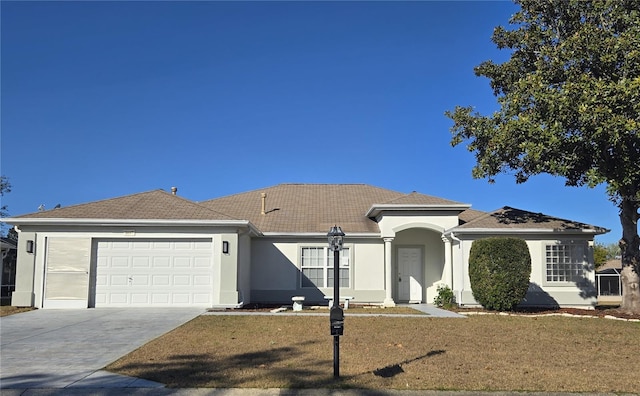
column 540, row 291
column 244, row 268
column 275, row 270
column 390, row 224
column 228, row 278
column 24, row 296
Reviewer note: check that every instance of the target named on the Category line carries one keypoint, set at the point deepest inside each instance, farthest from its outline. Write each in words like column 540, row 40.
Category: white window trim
column 584, row 264
column 328, row 267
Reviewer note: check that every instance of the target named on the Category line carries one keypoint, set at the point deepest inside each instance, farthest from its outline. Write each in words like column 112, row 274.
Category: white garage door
column 153, row 272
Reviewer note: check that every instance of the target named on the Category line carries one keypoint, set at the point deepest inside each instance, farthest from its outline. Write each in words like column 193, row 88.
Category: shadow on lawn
column 266, row 368
column 262, row 369
column 395, row 369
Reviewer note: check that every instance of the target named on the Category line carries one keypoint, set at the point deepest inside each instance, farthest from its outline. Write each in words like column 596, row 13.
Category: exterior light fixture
column 30, row 246
column 335, row 237
column 225, row 247
column 336, row 315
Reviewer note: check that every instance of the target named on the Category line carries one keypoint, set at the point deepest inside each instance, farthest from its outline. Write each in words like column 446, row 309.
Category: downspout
column 455, row 238
column 241, row 303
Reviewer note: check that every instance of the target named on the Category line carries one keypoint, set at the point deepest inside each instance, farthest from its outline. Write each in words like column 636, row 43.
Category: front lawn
column 555, row 354
column 7, row 310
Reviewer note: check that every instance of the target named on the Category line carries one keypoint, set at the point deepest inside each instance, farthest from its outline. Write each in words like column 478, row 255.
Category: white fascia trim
column 375, row 210
column 134, row 222
column 516, row 231
column 317, row 235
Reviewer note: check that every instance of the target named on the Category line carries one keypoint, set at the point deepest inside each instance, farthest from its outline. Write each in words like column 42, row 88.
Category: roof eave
column 133, row 222
column 319, row 234
column 524, row 231
column 376, row 209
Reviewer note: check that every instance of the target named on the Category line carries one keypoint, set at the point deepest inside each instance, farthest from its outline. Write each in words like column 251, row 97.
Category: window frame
column 575, row 269
column 327, row 268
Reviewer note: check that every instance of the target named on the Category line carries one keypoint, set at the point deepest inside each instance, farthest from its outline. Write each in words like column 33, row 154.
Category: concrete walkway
column 430, row 310
column 68, row 348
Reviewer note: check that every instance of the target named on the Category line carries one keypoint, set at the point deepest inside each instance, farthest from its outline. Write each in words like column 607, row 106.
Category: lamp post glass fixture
column 336, row 315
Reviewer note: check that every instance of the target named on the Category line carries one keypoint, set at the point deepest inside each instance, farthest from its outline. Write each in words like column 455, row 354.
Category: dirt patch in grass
column 9, row 310
column 489, row 352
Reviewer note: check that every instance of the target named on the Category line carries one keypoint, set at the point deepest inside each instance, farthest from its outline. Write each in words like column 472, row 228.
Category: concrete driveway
column 68, row 348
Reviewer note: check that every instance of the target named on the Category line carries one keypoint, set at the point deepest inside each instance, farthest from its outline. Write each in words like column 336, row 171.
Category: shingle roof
column 469, row 215
column 415, row 198
column 511, row 218
column 156, row 205
column 299, row 208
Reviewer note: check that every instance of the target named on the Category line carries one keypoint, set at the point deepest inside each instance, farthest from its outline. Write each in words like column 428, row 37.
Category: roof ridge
column 265, row 189
column 93, row 202
column 193, row 203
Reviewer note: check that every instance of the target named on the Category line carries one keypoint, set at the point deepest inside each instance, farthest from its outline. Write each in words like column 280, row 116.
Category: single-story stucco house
column 265, row 246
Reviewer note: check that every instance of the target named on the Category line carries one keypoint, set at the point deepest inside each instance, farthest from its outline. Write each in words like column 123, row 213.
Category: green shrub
column 499, row 271
column 445, row 297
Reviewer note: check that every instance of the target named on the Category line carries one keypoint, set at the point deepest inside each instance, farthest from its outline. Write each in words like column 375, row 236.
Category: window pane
column 312, row 277
column 344, row 277
column 312, row 257
column 565, row 262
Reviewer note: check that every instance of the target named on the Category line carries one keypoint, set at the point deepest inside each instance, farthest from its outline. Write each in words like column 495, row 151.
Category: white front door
column 410, row 274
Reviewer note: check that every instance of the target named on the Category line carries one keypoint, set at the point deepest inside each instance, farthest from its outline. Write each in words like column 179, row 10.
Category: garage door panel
column 161, row 262
column 182, row 262
column 116, row 280
column 201, row 262
column 141, row 262
column 118, row 262
column 160, row 280
column 154, row 272
column 118, row 245
column 116, row 299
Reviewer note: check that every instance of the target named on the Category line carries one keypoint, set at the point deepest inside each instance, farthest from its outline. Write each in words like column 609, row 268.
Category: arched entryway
column 418, row 257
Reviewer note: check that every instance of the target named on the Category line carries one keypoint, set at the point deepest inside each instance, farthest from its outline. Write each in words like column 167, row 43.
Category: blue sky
column 105, row 99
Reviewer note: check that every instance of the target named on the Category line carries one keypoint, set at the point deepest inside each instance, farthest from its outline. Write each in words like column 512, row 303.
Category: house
column 8, row 272
column 159, row 249
column 609, row 282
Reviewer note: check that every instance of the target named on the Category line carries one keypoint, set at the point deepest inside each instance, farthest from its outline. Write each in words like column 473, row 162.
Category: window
column 566, row 262
column 317, row 267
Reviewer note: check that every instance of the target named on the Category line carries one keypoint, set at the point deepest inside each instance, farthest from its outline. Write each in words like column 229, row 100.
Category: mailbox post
column 336, row 315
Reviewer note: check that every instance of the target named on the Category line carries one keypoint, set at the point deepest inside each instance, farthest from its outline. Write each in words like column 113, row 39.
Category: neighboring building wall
column 541, row 292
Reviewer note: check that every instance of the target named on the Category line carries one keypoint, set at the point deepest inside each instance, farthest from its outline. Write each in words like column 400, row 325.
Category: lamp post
column 336, row 315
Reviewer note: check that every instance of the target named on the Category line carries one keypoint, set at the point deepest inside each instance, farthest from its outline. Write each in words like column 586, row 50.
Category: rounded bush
column 499, row 271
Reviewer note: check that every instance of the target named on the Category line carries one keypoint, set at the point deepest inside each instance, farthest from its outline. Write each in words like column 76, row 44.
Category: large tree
column 569, row 106
column 5, row 187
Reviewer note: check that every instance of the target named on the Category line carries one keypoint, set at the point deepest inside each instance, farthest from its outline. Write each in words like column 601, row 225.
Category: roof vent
column 263, row 198
column 174, row 190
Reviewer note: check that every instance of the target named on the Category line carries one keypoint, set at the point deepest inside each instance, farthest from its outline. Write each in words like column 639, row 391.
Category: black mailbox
column 336, row 319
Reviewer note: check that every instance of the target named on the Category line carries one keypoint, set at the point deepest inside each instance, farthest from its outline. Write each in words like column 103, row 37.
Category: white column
column 388, row 284
column 448, row 265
